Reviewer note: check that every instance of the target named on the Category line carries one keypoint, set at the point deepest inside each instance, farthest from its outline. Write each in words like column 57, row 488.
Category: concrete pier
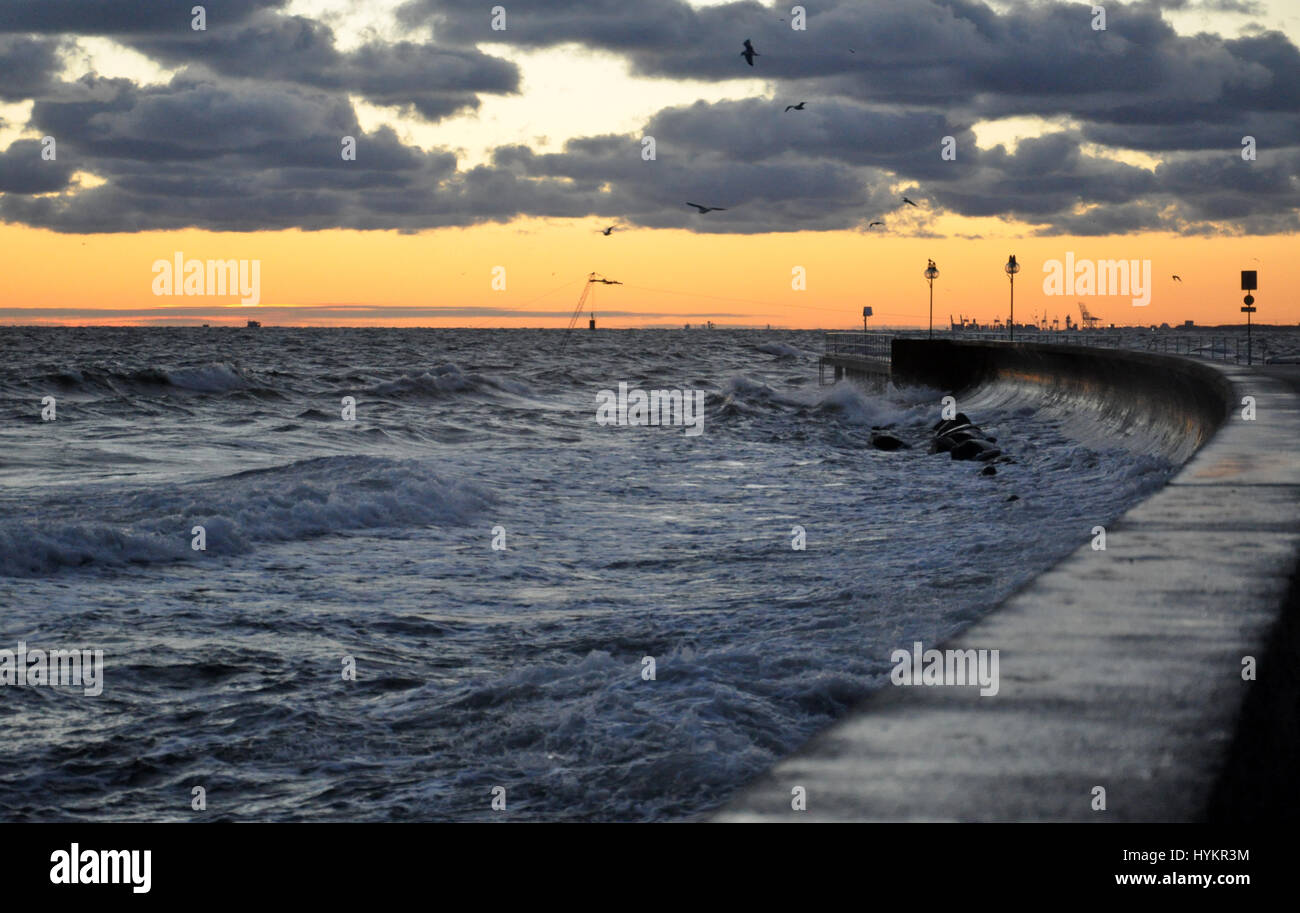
column 1120, row 669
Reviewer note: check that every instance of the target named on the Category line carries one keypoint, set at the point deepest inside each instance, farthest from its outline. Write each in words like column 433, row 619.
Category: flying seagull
column 909, row 202
column 1178, row 278
column 749, row 53
column 798, row 107
column 607, row 231
column 704, row 209
column 874, row 224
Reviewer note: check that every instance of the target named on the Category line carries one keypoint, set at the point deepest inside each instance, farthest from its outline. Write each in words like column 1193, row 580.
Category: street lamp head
column 1012, row 266
column 931, row 272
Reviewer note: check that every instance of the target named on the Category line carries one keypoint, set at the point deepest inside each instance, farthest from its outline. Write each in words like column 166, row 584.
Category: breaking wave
column 307, row 499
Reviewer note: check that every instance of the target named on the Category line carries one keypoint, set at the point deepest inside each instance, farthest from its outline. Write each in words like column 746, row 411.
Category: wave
column 302, row 500
column 782, row 350
column 448, row 379
column 743, row 394
column 216, row 377
column 858, row 407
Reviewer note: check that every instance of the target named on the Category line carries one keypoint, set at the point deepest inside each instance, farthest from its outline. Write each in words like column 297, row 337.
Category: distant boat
column 252, row 324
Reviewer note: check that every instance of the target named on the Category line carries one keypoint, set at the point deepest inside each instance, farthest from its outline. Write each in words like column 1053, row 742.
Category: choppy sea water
column 478, row 667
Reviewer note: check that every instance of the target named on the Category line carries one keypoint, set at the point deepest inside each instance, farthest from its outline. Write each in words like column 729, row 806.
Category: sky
column 489, row 160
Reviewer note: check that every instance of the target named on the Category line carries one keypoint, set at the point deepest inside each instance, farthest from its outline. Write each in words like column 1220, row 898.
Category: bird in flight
column 874, row 224
column 749, row 53
column 704, row 209
column 608, row 231
column 1178, row 278
column 798, row 107
column 909, row 202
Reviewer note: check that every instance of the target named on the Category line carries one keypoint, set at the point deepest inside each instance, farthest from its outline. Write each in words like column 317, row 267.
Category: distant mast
column 592, row 279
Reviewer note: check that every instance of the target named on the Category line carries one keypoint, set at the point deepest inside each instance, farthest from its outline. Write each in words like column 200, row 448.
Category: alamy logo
column 78, row 866
column 947, row 667
column 179, row 276
column 82, row 669
column 1099, row 277
column 658, row 407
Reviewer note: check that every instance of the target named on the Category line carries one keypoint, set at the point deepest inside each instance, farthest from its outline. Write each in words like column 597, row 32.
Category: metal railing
column 1216, row 348
column 857, row 344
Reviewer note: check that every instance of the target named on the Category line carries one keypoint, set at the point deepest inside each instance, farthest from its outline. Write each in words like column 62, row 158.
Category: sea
column 415, row 575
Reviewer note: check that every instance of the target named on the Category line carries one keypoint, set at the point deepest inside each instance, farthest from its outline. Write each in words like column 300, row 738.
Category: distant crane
column 1089, row 322
column 592, row 279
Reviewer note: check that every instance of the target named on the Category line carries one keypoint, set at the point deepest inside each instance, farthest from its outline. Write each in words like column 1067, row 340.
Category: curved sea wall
column 1145, row 402
column 1142, row 682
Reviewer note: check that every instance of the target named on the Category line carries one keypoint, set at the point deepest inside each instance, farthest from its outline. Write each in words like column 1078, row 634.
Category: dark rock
column 974, row 449
column 883, row 441
column 989, row 470
column 1014, row 498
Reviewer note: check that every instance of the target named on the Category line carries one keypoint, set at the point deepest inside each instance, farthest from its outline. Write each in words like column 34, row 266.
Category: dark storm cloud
column 1224, row 188
column 839, row 129
column 1046, row 176
column 199, row 152
column 23, row 170
column 923, row 69
column 1111, row 220
column 235, row 155
column 120, row 17
column 782, row 193
column 27, row 66
column 1246, row 7
column 427, row 79
column 831, row 169
column 247, row 136
column 1268, row 130
column 960, row 55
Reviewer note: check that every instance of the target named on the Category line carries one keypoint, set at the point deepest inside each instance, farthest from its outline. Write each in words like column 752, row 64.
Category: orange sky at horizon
column 678, row 276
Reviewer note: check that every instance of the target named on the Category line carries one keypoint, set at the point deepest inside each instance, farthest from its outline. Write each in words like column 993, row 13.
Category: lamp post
column 1012, row 268
column 931, row 274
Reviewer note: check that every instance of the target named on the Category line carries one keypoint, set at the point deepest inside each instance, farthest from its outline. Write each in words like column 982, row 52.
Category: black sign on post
column 1249, row 280
column 1248, row 308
